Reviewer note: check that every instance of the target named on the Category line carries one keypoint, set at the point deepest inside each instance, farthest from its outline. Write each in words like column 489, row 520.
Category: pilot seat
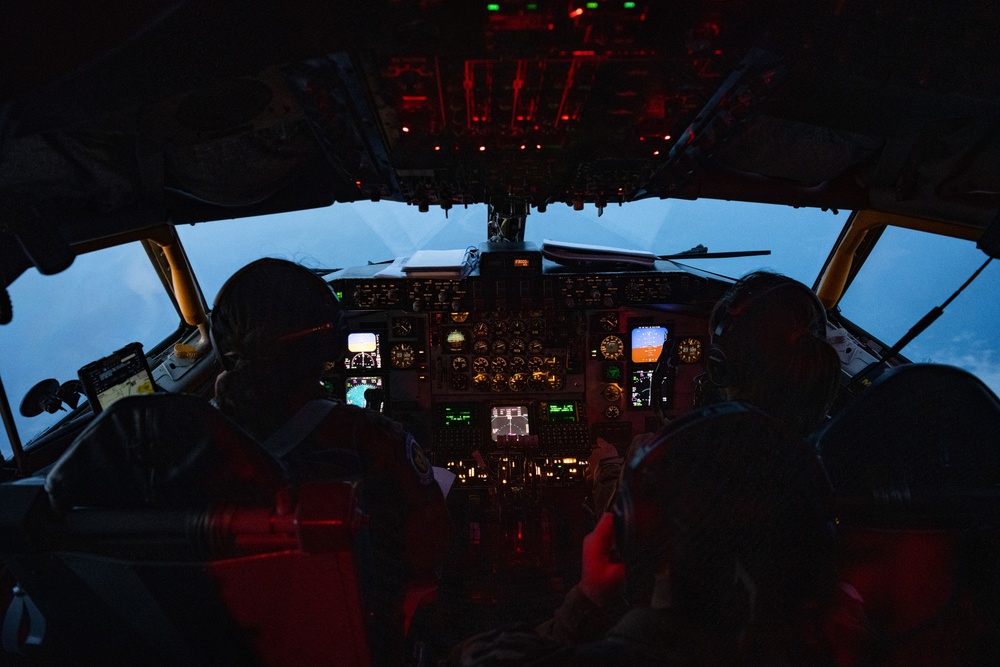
column 166, row 535
column 914, row 462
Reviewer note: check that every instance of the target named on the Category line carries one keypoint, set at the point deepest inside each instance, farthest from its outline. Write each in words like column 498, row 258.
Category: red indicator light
column 482, row 148
column 538, row 146
column 666, row 137
column 576, row 12
column 656, row 152
column 406, row 129
column 565, row 116
column 437, row 148
column 583, row 53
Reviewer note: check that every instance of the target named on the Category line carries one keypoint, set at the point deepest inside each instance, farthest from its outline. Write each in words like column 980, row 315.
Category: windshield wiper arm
column 701, row 252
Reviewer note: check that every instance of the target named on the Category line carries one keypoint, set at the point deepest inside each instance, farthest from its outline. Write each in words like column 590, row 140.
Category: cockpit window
column 346, row 235
column 910, row 272
column 103, row 301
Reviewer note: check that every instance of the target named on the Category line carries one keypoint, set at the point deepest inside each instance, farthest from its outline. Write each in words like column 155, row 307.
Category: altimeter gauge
column 402, row 356
column 689, row 350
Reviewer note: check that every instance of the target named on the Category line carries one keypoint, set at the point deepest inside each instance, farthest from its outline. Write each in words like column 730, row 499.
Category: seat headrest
column 919, row 448
column 171, row 451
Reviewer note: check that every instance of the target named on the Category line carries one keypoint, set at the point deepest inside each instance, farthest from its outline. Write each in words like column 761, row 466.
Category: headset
column 636, row 519
column 642, row 527
column 328, row 333
column 717, row 365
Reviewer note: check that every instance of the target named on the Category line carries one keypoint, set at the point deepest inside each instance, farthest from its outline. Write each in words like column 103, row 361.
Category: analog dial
column 517, row 346
column 481, row 382
column 459, row 317
column 459, row 381
column 480, row 364
column 612, row 392
column 498, row 382
column 535, row 346
column 535, row 363
column 689, row 350
column 402, row 356
column 555, row 382
column 498, row 365
column 609, row 321
column 517, row 328
column 612, row 412
column 460, row 364
column 499, row 346
column 481, row 329
column 612, row 347
column 518, row 364
column 402, row 327
column 518, row 382
column 481, row 346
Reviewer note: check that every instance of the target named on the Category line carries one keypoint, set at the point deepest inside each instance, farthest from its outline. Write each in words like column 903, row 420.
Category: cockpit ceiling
column 196, row 111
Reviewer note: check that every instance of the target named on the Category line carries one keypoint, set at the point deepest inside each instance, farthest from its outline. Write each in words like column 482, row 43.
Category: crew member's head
column 732, row 519
column 768, row 347
column 275, row 325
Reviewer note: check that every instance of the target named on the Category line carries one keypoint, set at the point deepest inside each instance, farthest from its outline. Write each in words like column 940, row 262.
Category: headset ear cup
column 717, row 366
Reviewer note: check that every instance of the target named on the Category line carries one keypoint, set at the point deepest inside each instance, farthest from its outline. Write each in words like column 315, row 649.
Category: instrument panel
column 509, row 378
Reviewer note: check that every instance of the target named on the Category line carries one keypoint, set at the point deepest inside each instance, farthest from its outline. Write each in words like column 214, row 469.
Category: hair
column 740, row 514
column 771, row 333
column 275, row 325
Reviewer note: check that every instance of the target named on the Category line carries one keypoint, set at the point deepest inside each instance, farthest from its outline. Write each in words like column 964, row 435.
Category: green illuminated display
column 592, row 5
column 562, row 411
column 629, row 5
column 493, row 7
column 457, row 417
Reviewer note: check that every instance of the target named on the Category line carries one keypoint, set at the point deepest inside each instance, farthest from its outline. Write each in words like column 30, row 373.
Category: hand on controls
column 601, row 579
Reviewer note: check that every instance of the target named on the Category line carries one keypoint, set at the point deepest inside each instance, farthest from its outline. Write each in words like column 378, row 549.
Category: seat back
column 140, row 553
column 914, row 463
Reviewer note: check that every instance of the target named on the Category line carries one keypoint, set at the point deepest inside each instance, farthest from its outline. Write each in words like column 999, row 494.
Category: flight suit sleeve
column 403, row 492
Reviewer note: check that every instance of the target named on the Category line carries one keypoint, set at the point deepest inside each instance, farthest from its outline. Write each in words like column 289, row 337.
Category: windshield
column 910, row 272
column 102, row 302
column 355, row 234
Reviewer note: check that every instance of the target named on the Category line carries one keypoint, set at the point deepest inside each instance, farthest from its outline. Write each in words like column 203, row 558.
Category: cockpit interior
column 507, row 358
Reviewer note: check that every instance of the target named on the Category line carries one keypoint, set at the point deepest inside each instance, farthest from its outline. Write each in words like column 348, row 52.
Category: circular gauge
column 612, row 392
column 498, row 382
column 613, row 373
column 538, row 380
column 500, row 328
column 689, row 350
column 518, row 382
column 454, row 341
column 459, row 317
column 402, row 327
column 609, row 321
column 459, row 381
column 481, row 382
column 480, row 364
column 481, row 329
column 612, row 347
column 481, row 346
column 363, row 360
column 499, row 346
column 517, row 327
column 499, row 365
column 459, row 364
column 612, row 412
column 536, row 327
column 555, row 382
column 535, row 363
column 518, row 364
column 402, row 355
column 517, row 346
column 535, row 346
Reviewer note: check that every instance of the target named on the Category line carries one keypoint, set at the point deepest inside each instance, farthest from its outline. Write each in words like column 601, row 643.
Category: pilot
column 768, row 348
column 275, row 326
column 724, row 534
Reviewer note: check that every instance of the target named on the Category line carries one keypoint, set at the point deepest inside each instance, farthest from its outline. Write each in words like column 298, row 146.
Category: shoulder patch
column 419, row 460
